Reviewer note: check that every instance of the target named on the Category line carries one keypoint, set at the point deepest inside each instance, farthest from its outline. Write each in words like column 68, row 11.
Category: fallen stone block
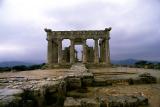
column 89, row 102
column 10, row 97
column 122, row 101
column 142, row 100
column 74, row 82
column 144, row 78
column 99, row 82
column 71, row 102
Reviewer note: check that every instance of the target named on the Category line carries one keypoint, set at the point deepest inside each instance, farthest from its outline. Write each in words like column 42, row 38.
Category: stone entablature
column 86, row 34
column 101, row 50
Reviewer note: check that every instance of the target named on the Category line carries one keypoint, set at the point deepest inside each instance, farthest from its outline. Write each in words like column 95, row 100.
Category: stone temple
column 99, row 55
column 80, row 85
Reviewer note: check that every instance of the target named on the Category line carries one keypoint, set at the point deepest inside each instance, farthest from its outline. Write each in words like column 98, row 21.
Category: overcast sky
column 135, row 26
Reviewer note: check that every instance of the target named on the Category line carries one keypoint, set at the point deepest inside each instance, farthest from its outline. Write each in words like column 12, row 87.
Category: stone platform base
column 78, row 87
column 52, row 66
column 68, row 65
column 92, row 65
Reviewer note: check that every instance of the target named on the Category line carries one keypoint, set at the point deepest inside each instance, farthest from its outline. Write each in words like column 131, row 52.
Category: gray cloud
column 24, row 42
column 135, row 32
column 1, row 1
column 135, row 28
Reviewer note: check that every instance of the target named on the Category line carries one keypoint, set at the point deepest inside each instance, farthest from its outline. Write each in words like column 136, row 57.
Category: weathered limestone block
column 74, row 82
column 78, row 93
column 123, row 101
column 147, row 78
column 144, row 78
column 99, row 82
column 80, row 76
column 89, row 102
column 117, row 81
column 10, row 101
column 48, row 92
column 142, row 100
column 79, row 68
column 28, row 103
column 29, row 98
column 131, row 102
column 62, row 88
column 55, row 92
column 87, row 79
column 39, row 96
column 10, row 97
column 71, row 102
column 50, row 85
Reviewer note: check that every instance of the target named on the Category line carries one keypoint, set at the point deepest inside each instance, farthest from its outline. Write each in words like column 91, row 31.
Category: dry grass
column 35, row 74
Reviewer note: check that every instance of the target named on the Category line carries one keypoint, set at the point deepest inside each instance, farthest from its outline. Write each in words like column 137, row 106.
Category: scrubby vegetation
column 147, row 65
column 141, row 64
column 22, row 67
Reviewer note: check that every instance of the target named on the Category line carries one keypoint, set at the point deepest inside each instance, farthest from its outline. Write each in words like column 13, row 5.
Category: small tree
column 141, row 64
column 20, row 68
column 157, row 66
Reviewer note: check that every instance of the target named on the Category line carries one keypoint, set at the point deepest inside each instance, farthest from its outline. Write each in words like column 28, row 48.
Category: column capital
column 108, row 29
column 47, row 30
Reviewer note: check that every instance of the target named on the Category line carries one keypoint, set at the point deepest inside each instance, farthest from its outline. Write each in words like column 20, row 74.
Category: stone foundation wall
column 52, row 91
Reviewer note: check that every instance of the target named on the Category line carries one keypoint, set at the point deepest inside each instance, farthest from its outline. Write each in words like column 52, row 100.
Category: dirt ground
column 36, row 74
column 124, row 72
column 151, row 91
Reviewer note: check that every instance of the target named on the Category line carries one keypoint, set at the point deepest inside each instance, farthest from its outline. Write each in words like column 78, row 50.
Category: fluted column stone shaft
column 59, row 51
column 107, row 51
column 96, row 56
column 72, row 54
column 104, row 51
column 84, row 51
column 50, row 53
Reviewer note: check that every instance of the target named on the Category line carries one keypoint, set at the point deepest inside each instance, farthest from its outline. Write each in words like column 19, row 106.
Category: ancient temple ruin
column 99, row 55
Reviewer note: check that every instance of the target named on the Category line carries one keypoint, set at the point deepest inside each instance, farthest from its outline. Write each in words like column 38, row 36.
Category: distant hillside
column 14, row 63
column 125, row 62
column 129, row 61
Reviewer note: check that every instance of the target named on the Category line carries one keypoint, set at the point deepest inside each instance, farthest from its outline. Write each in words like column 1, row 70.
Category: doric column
column 107, row 51
column 100, row 48
column 84, row 51
column 76, row 56
column 59, row 51
column 96, row 56
column 104, row 51
column 72, row 54
column 49, row 58
column 54, row 51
